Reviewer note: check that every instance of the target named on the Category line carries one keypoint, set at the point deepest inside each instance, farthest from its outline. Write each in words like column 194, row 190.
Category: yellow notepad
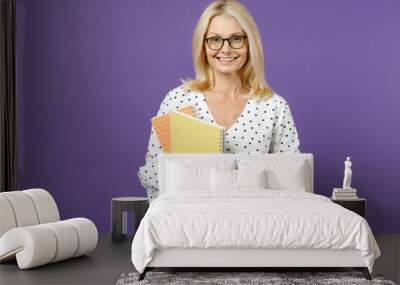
column 192, row 135
column 161, row 127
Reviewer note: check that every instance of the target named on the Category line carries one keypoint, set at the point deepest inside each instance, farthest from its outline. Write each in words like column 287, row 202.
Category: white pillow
column 282, row 174
column 186, row 175
column 223, row 179
column 237, row 179
column 251, row 178
column 187, row 178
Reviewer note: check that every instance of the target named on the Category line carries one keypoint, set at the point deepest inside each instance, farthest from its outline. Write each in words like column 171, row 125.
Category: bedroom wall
column 91, row 74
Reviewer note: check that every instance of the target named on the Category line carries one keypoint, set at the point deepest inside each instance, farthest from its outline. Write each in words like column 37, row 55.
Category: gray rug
column 243, row 278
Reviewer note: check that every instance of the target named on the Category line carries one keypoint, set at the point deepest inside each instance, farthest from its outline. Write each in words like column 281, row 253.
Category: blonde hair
column 252, row 73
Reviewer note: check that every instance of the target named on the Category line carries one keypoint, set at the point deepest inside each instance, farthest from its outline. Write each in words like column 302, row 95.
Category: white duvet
column 251, row 218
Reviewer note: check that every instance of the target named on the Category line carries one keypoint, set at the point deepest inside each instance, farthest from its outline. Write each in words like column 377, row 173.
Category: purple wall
column 91, row 73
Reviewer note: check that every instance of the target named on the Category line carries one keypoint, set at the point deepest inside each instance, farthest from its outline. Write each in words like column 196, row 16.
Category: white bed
column 280, row 225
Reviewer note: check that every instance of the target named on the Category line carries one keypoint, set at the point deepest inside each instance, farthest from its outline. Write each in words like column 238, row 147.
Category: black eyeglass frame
column 226, row 39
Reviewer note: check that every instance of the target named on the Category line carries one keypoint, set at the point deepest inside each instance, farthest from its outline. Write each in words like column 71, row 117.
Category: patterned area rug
column 243, row 278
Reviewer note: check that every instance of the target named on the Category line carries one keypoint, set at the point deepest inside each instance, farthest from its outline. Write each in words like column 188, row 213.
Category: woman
column 229, row 89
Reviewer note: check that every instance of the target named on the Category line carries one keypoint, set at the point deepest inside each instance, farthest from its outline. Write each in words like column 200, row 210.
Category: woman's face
column 226, row 60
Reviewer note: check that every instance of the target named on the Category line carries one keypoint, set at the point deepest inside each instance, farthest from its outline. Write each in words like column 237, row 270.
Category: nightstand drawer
column 357, row 205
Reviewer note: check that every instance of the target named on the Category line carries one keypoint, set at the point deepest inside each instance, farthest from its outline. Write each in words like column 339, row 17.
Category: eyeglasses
column 216, row 43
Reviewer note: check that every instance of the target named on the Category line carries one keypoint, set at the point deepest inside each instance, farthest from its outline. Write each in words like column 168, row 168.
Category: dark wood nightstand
column 119, row 208
column 358, row 205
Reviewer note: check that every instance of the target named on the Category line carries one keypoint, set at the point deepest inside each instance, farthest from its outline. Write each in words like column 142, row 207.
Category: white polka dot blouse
column 264, row 126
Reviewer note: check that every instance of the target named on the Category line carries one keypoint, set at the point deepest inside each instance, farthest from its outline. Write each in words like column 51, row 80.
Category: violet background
column 91, row 74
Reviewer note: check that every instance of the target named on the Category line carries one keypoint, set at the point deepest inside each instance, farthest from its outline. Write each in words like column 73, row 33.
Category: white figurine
column 347, row 174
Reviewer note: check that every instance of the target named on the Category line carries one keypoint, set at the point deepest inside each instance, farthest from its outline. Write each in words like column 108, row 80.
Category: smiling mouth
column 227, row 59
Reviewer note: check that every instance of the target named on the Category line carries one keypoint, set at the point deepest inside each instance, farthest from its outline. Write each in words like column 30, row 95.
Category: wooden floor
column 110, row 260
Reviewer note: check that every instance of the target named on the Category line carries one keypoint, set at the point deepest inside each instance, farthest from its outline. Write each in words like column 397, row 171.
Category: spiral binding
column 221, row 143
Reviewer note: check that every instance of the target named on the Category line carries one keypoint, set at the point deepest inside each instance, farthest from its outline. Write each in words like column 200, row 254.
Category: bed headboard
column 271, row 159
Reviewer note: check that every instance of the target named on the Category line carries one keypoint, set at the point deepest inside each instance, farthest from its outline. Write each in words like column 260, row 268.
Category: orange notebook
column 161, row 125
